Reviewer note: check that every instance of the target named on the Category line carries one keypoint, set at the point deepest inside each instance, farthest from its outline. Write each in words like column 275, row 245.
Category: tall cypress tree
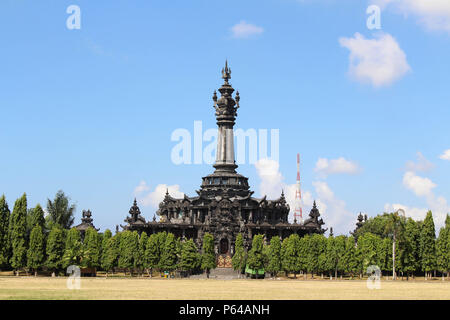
column 91, row 249
column 274, row 266
column 291, row 263
column 238, row 260
column 340, row 253
column 384, row 254
column 73, row 249
column 55, row 249
column 190, row 257
column 428, row 245
column 37, row 218
column 350, row 258
column 169, row 255
column 443, row 249
column 105, row 238
column 322, row 255
column 18, row 233
column 303, row 248
column 140, row 259
column 208, row 254
column 313, row 253
column 152, row 253
column 411, row 260
column 4, row 233
column 128, row 247
column 255, row 256
column 331, row 256
column 111, row 254
column 35, row 254
column 367, row 250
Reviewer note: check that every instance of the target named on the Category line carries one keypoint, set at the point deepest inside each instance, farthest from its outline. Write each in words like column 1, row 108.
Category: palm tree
column 59, row 211
column 394, row 226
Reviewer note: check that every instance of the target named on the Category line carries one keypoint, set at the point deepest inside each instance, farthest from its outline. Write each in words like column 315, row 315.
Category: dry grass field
column 162, row 289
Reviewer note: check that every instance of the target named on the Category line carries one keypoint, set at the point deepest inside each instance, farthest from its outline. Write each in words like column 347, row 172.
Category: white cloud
column 335, row 166
column 245, row 30
column 423, row 187
column 332, row 210
column 337, row 215
column 415, row 213
column 155, row 197
column 271, row 179
column 419, row 185
column 445, row 155
column 142, row 187
column 433, row 14
column 422, row 164
column 378, row 61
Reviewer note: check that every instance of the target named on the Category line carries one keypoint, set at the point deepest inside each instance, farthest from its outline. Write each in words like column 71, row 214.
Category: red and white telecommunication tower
column 298, row 213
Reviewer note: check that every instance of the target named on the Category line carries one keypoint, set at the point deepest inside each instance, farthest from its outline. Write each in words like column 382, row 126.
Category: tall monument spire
column 226, row 112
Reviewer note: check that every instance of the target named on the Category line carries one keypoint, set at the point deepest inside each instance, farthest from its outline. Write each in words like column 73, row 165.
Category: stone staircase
column 219, row 274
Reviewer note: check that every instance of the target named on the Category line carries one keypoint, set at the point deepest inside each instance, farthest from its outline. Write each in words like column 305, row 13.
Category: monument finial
column 226, row 72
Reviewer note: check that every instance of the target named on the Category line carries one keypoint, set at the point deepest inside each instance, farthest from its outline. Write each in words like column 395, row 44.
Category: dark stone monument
column 224, row 205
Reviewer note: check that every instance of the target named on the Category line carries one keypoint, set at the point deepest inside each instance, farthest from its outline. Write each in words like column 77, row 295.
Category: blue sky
column 91, row 111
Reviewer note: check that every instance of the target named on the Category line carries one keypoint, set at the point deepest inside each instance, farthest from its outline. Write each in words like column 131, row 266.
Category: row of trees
column 24, row 232
column 416, row 251
column 31, row 242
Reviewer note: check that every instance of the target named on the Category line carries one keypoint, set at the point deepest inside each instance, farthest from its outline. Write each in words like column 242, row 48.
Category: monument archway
column 224, row 246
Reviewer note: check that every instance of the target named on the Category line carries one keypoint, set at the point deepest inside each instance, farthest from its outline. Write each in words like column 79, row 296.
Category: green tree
column 35, row 254
column 190, row 258
column 428, row 245
column 105, row 238
column 35, row 216
column 331, row 262
column 443, row 249
column 350, row 258
column 4, row 233
column 256, row 256
column 275, row 263
column 60, row 211
column 18, row 233
column 91, row 249
column 322, row 255
column 152, row 253
column 127, row 248
column 73, row 249
column 303, row 249
column 375, row 225
column 313, row 252
column 394, row 226
column 161, row 240
column 340, row 255
column 110, row 256
column 384, row 254
column 169, row 259
column 411, row 255
column 367, row 251
column 291, row 262
column 208, row 254
column 142, row 262
column 55, row 249
column 238, row 260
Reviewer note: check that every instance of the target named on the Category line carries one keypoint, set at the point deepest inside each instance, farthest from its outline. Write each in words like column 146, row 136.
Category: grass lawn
column 174, row 289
